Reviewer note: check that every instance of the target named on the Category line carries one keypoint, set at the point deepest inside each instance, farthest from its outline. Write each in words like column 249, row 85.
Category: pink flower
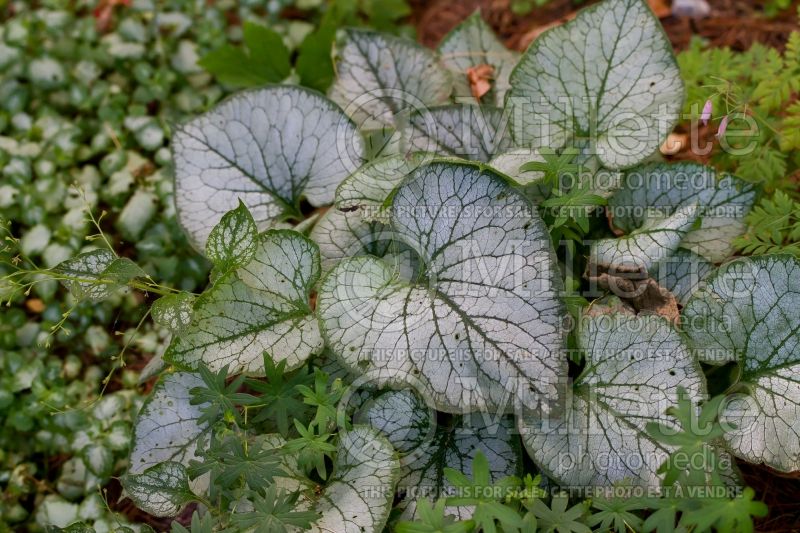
column 723, row 125
column 706, row 113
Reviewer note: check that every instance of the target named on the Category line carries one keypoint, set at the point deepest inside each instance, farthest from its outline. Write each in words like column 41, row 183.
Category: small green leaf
column 173, row 311
column 233, row 242
column 264, row 60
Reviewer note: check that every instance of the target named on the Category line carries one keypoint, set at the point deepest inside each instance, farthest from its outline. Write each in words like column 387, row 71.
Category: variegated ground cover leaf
column 426, row 448
column 359, row 495
column 268, row 148
column 609, row 75
column 660, row 190
column 260, row 307
column 368, row 187
column 634, row 367
column 168, row 429
column 343, row 234
column 162, row 490
column 592, row 177
column 654, row 241
column 97, row 274
column 682, row 273
column 748, row 313
column 481, row 326
column 472, row 44
column 173, row 311
column 467, row 131
column 379, row 76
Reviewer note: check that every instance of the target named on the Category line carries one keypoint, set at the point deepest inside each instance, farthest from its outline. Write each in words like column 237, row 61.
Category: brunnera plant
column 383, row 256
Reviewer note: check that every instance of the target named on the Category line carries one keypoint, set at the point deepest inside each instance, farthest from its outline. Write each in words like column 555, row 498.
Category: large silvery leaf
column 747, row 313
column 269, row 148
column 480, row 325
column 660, row 190
column 378, row 76
column 426, row 448
column 98, row 274
column 261, row 307
column 162, row 490
column 466, row 131
column 168, row 427
column 358, row 496
column 634, row 367
column 645, row 246
column 470, row 45
column 681, row 273
column 608, row 75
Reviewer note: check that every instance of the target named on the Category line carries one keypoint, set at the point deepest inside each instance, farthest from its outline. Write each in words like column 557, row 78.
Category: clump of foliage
column 386, row 330
column 757, row 90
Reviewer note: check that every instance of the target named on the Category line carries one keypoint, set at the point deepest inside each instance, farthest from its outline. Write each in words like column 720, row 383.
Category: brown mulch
column 734, row 23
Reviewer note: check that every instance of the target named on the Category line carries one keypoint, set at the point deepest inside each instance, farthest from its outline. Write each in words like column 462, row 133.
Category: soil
column 733, row 23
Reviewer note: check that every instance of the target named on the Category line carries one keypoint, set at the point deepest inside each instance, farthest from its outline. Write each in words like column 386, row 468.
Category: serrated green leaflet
column 268, row 148
column 467, row 131
column 378, row 76
column 426, row 449
column 634, row 367
column 480, row 326
column 355, row 225
column 660, row 190
column 98, row 274
column 472, row 44
column 173, row 311
column 608, row 75
column 233, row 242
column 748, row 313
column 260, row 307
column 161, row 490
column 168, row 428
